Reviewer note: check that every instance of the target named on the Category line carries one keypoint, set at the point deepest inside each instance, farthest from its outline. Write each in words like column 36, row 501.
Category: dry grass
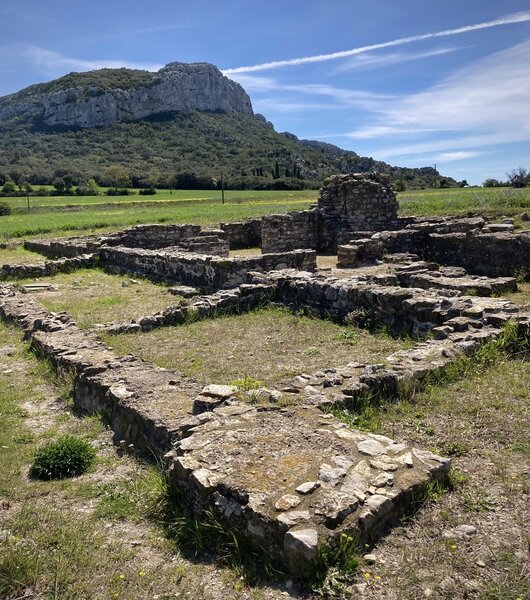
column 482, row 423
column 522, row 296
column 91, row 296
column 268, row 344
column 92, row 536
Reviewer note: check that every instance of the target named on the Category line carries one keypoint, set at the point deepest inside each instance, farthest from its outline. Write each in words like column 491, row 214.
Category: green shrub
column 67, row 457
column 5, row 209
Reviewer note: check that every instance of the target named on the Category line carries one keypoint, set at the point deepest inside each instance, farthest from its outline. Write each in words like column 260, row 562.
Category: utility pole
column 222, row 189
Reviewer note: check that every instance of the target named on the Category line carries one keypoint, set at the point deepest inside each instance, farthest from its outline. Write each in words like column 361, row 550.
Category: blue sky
column 372, row 78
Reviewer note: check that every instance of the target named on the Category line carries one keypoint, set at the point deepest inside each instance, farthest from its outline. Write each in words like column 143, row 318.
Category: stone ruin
column 290, row 475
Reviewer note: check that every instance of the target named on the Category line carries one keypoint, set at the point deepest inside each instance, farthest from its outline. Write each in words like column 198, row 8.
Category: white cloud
column 55, row 63
column 461, row 155
column 251, row 83
column 485, row 103
column 371, row 61
column 519, row 17
column 289, row 106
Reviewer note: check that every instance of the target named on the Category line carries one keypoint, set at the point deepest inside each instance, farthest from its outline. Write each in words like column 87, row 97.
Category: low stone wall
column 208, row 272
column 281, row 233
column 48, row 268
column 153, row 236
column 245, row 234
column 402, row 310
column 493, row 254
column 65, row 247
column 237, row 300
column 288, row 499
column 291, row 498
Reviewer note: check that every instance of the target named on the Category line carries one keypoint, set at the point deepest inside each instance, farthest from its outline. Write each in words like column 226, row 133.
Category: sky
column 411, row 82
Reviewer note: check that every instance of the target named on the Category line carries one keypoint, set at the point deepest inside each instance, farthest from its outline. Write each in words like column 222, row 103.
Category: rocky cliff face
column 176, row 87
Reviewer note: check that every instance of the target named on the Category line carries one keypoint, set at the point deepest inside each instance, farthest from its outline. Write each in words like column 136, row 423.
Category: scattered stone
column 287, row 502
column 308, row 487
column 219, row 391
column 462, row 531
column 370, row 448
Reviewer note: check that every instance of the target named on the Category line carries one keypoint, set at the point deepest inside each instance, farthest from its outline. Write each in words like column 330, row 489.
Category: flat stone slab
column 186, row 291
column 295, row 478
column 37, row 287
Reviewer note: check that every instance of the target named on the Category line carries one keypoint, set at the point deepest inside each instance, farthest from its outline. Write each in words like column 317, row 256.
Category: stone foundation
column 287, row 498
column 208, row 272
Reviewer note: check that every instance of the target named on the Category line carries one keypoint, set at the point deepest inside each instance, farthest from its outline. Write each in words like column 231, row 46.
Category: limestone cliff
column 94, row 99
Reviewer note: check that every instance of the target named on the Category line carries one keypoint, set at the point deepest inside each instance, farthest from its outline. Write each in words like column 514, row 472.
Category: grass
column 92, row 296
column 69, row 215
column 481, row 417
column 96, row 536
column 269, row 345
column 73, row 214
column 16, row 254
column 492, row 202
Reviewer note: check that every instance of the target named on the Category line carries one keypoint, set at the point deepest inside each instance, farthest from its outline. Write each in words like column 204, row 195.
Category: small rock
column 301, row 543
column 308, row 487
column 294, row 517
column 219, row 391
column 287, row 502
column 370, row 448
column 370, row 558
column 480, row 563
column 525, row 216
column 462, row 531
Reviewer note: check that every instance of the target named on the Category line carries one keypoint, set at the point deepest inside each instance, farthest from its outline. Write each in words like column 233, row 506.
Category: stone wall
column 64, row 247
column 347, row 203
column 153, row 236
column 493, row 254
column 48, row 268
column 232, row 458
column 245, row 234
column 281, row 233
column 204, row 271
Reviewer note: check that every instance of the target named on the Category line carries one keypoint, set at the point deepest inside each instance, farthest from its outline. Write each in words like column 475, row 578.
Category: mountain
column 182, row 118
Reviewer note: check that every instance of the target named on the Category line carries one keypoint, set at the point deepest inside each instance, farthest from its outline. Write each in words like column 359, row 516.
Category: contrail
column 518, row 17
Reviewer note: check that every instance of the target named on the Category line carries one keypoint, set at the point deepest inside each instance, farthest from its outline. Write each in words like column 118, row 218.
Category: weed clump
column 69, row 456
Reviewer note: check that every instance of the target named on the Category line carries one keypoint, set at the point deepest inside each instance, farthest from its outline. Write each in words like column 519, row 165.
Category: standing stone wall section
column 153, row 236
column 347, row 203
column 294, row 230
column 244, row 234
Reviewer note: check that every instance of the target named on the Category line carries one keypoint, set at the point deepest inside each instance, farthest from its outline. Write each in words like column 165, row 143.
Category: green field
column 491, row 202
column 64, row 215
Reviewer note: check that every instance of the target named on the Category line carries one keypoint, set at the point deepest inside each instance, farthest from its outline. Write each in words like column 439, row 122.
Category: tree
column 58, row 184
column 518, row 178
column 9, row 187
column 400, row 185
column 491, row 182
column 92, row 187
column 117, row 177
